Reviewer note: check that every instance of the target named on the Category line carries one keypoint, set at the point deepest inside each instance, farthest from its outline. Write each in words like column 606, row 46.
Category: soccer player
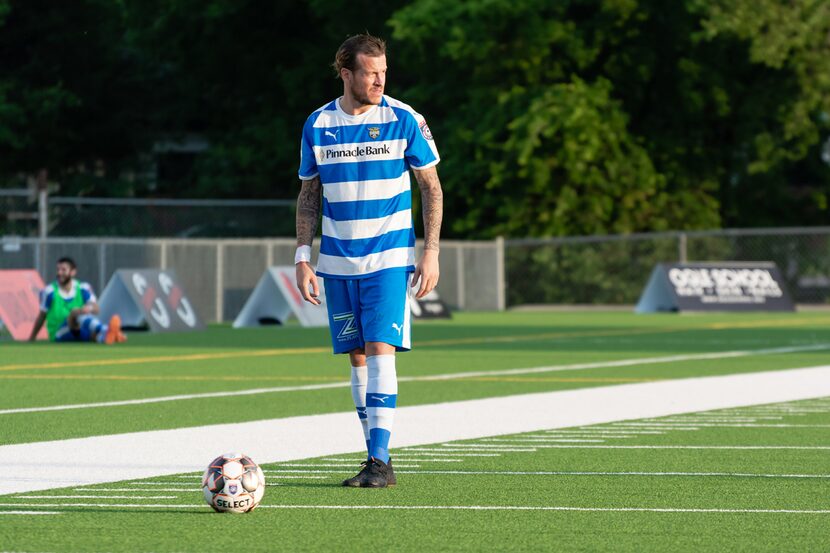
column 357, row 150
column 68, row 306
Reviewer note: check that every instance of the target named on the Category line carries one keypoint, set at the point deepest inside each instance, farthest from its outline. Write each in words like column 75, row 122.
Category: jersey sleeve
column 308, row 162
column 421, row 152
column 46, row 296
column 87, row 294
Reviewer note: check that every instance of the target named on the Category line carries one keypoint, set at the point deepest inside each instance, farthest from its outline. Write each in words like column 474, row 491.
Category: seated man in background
column 68, row 306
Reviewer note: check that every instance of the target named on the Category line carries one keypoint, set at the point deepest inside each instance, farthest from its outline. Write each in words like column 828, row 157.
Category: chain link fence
column 25, row 213
column 219, row 275
column 614, row 269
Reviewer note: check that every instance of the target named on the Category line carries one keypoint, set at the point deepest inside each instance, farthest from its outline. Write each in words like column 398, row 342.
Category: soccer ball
column 233, row 483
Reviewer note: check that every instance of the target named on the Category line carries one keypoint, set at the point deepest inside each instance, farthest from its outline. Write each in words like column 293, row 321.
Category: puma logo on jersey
column 397, row 327
column 332, row 134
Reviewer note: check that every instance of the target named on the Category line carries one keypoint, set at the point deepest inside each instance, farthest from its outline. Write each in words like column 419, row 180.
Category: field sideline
column 652, row 480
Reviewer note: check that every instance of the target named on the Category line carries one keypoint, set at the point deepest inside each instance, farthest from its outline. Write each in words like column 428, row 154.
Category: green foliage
column 245, row 74
column 539, row 143
column 594, row 272
column 579, row 170
column 552, row 118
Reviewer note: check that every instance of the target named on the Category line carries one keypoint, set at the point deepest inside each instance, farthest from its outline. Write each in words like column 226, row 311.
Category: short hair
column 69, row 261
column 366, row 44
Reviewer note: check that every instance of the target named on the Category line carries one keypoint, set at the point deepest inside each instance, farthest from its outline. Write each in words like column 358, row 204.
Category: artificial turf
column 708, row 496
column 224, row 360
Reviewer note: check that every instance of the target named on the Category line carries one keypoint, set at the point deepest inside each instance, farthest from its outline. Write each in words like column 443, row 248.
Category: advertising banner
column 276, row 298
column 715, row 287
column 151, row 298
column 19, row 303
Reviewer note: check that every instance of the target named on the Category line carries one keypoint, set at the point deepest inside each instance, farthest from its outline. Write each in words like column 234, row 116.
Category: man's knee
column 379, row 348
column 358, row 357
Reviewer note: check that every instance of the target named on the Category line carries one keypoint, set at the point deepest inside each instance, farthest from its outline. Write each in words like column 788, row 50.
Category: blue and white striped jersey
column 47, row 295
column 363, row 162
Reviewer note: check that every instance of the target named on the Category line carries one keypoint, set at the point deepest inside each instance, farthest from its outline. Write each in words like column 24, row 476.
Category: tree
column 620, row 115
column 539, row 145
column 245, row 74
column 70, row 95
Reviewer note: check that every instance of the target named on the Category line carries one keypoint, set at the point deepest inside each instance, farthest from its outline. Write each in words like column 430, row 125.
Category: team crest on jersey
column 374, row 132
column 425, row 130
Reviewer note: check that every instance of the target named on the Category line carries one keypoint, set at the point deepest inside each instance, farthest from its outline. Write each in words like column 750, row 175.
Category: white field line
column 667, row 427
column 500, row 450
column 721, row 425
column 450, row 508
column 95, row 497
column 338, row 465
column 605, row 473
column 632, row 432
column 193, row 477
column 133, row 490
column 441, row 460
column 416, row 455
column 65, row 463
column 30, row 513
column 608, row 473
column 598, row 473
column 738, row 447
column 450, row 376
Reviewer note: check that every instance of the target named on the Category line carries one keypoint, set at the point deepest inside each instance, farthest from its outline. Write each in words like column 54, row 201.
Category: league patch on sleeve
column 425, row 129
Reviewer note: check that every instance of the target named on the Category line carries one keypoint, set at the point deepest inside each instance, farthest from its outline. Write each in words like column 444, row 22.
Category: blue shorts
column 65, row 334
column 372, row 309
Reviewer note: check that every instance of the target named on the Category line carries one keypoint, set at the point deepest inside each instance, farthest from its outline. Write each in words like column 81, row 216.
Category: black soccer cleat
column 390, row 474
column 374, row 474
column 354, row 481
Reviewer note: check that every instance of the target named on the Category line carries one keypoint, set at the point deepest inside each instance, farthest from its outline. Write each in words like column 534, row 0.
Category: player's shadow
column 332, row 484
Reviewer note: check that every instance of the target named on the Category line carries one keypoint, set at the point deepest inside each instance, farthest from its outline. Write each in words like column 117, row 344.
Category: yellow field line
column 446, row 342
column 165, row 358
column 122, row 377
column 169, row 378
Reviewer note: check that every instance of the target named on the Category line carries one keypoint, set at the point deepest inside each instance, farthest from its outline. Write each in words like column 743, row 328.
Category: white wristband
column 303, row 255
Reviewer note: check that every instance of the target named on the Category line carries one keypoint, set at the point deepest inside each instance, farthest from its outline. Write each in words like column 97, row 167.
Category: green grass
column 271, row 528
column 150, row 366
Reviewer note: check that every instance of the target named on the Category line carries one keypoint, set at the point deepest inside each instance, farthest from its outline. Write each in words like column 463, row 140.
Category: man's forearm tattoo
column 308, row 211
column 432, row 200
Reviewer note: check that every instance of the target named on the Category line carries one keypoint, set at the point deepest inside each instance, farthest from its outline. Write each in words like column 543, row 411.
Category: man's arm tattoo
column 308, row 211
column 432, row 200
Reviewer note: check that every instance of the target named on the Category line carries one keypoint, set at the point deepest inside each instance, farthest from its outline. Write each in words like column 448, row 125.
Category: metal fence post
column 500, row 276
column 102, row 266
column 163, row 255
column 39, row 257
column 220, row 280
column 682, row 241
column 43, row 212
column 459, row 261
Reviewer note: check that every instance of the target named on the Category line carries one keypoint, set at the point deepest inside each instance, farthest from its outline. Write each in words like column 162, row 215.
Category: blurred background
column 582, row 140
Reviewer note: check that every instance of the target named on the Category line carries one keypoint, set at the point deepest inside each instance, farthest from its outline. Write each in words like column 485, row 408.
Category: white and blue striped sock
column 91, row 324
column 359, row 378
column 381, row 398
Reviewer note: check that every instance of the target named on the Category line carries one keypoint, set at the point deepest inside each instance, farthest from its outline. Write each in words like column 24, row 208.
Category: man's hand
column 427, row 271
column 306, row 276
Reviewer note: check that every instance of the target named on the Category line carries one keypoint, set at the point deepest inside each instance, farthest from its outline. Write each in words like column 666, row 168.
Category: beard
column 362, row 97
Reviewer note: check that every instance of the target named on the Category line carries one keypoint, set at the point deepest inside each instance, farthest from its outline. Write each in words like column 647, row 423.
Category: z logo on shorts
column 349, row 330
